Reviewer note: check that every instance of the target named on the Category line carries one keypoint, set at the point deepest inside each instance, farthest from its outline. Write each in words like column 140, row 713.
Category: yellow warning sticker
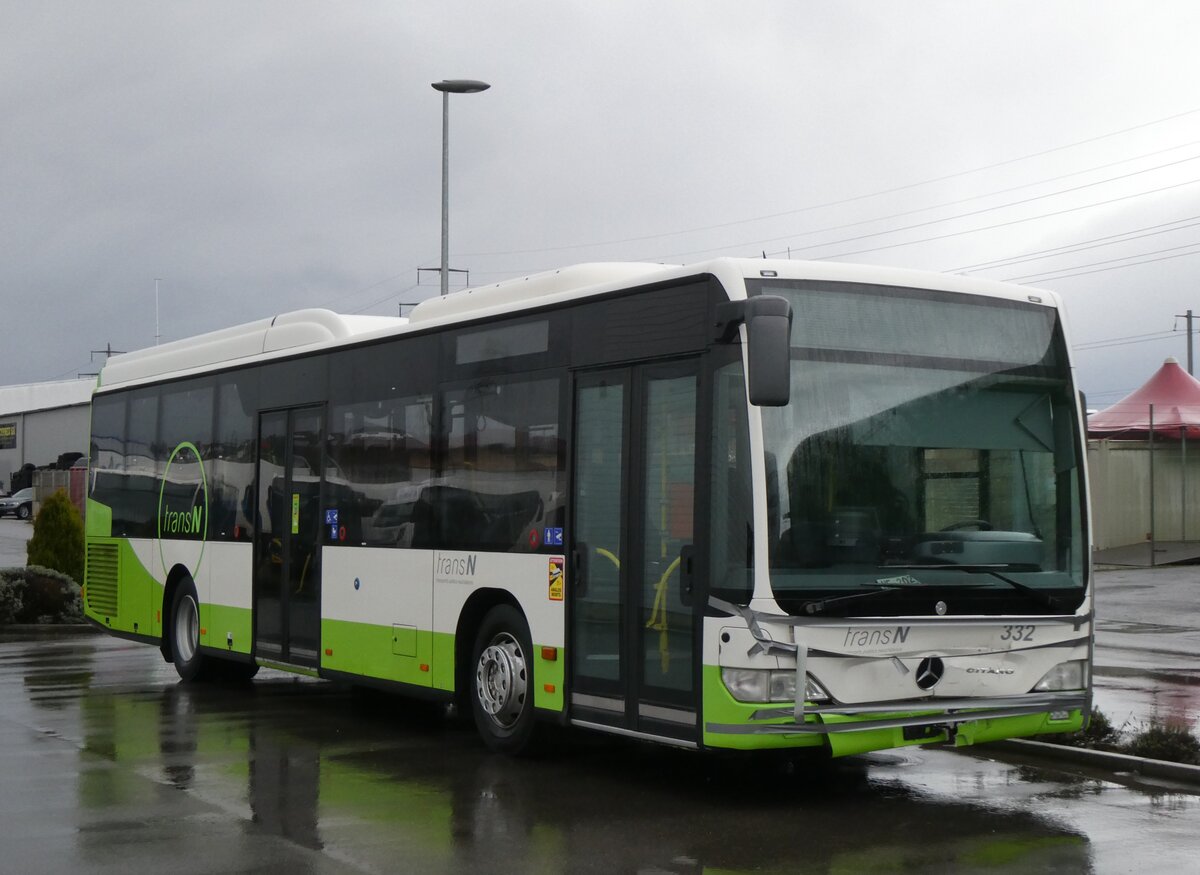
column 556, row 578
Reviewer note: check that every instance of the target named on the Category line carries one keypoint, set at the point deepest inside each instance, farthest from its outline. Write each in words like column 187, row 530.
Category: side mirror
column 768, row 320
column 769, row 328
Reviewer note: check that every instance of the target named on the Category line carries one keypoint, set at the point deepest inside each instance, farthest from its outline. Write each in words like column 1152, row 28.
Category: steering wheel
column 979, row 525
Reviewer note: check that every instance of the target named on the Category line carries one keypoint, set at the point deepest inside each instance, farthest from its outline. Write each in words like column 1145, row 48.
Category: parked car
column 19, row 504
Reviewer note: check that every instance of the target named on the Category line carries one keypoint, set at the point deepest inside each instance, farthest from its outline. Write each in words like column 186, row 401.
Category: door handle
column 579, row 561
column 687, row 577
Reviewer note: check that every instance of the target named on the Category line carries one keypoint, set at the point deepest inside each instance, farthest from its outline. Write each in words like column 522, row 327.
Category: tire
column 24, row 512
column 502, row 681
column 185, row 633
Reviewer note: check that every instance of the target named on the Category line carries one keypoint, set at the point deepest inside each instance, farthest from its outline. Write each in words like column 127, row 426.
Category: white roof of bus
column 315, row 329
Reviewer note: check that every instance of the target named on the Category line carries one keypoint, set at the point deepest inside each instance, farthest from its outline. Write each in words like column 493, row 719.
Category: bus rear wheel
column 185, row 633
column 502, row 681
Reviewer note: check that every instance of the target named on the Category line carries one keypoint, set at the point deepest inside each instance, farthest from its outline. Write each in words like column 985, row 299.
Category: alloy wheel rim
column 187, row 628
column 501, row 680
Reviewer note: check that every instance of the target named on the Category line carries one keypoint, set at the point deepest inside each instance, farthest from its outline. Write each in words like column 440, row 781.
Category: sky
column 262, row 157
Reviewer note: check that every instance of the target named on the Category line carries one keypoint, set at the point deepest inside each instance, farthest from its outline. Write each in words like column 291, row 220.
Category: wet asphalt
column 1147, row 661
column 108, row 764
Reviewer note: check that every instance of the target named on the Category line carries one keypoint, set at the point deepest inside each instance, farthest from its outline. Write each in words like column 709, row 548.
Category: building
column 40, row 422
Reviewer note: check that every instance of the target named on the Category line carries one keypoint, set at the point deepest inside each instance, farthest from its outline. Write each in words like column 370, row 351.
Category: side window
column 106, row 465
column 185, row 430
column 732, row 542
column 232, row 459
column 378, row 468
column 139, row 507
column 502, row 479
column 502, row 342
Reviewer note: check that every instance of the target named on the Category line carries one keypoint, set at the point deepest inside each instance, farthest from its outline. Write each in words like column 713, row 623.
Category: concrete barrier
column 1098, row 759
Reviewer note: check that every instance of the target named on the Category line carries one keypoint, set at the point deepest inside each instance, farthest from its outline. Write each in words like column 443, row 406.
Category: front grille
column 102, row 579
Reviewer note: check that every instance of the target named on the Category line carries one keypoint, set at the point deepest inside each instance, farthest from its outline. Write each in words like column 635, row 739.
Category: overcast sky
column 260, row 157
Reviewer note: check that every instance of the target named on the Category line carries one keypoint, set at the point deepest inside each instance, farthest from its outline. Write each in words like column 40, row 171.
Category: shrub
column 57, row 540
column 11, row 603
column 38, row 595
column 1170, row 742
column 1161, row 741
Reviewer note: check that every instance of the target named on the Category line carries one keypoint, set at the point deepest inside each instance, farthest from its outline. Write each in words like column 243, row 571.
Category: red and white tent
column 1171, row 398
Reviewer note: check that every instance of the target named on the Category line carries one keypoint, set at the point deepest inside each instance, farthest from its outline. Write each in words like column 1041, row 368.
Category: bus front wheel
column 185, row 632
column 502, row 680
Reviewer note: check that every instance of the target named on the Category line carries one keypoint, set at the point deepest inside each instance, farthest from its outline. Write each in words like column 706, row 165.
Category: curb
column 1101, row 759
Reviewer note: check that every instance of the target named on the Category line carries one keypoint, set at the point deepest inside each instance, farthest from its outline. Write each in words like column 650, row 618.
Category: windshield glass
column 928, row 461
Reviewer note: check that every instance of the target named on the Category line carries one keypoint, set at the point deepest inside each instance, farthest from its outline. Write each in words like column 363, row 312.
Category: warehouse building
column 40, row 423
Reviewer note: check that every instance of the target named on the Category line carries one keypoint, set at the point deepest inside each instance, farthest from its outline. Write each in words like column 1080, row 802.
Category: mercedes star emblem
column 929, row 672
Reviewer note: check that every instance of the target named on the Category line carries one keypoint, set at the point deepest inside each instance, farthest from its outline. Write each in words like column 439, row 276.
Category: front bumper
column 947, row 713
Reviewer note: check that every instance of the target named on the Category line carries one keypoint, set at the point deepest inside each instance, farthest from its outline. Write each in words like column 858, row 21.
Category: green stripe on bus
column 98, row 520
column 138, row 595
column 417, row 656
column 389, row 653
column 226, row 627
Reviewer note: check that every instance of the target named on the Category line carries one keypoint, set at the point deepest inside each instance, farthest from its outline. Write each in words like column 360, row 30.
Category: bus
column 742, row 504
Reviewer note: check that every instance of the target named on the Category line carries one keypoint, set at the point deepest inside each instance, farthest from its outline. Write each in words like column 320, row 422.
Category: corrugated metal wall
column 1122, row 495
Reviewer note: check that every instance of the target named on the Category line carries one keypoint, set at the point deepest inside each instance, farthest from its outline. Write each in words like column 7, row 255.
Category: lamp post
column 448, row 87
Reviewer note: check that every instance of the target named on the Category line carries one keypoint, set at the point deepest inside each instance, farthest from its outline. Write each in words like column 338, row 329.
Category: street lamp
column 448, row 87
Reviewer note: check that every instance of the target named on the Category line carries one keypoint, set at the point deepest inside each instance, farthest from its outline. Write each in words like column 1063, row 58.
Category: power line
column 1107, row 340
column 970, row 213
column 1064, row 276
column 366, row 288
column 983, row 210
column 386, row 298
column 993, row 227
column 1049, row 274
column 867, row 196
column 1081, row 246
column 1126, row 343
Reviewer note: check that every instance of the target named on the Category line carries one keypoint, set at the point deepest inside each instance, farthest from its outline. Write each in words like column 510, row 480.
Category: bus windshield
column 928, row 461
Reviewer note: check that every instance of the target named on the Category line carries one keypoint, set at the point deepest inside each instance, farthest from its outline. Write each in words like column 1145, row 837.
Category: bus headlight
column 761, row 685
column 1064, row 676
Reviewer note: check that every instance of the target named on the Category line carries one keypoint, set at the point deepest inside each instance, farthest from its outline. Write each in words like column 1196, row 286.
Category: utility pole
column 1188, row 317
column 156, row 334
column 108, row 352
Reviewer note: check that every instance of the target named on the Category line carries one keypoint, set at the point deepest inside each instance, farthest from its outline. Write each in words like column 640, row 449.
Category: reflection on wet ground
column 1148, row 646
column 111, row 765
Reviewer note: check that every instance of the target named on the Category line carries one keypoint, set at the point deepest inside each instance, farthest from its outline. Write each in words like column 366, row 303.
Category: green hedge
column 38, row 595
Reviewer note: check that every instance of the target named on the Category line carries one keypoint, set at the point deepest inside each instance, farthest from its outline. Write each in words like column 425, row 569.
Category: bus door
column 635, row 604
column 287, row 580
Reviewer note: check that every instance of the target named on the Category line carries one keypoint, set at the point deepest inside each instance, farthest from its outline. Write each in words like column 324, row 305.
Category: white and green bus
column 741, row 504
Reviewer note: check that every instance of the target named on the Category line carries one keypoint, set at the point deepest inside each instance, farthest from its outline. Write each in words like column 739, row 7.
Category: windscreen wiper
column 881, row 586
column 1037, row 595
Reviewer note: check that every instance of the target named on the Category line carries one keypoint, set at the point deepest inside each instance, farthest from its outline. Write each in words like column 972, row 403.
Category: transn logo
column 188, row 522
column 869, row 638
